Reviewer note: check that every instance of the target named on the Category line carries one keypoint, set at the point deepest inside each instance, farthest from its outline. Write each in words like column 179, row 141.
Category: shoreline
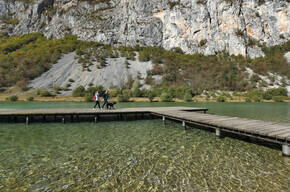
column 132, row 99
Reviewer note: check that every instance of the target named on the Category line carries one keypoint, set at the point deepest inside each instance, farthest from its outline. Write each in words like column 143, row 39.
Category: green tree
column 135, row 89
column 129, row 82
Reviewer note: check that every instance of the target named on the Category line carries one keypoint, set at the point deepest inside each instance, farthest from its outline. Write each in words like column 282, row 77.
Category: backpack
column 94, row 97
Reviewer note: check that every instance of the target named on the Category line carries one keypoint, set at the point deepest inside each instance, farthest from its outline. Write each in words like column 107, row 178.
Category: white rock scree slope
column 115, row 73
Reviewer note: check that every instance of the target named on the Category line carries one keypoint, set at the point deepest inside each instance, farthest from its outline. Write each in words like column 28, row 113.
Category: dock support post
column 285, row 150
column 204, row 111
column 72, row 118
column 63, row 119
column 54, row 118
column 183, row 125
column 96, row 118
column 27, row 120
column 78, row 118
column 218, row 133
column 44, row 118
column 136, row 117
column 125, row 117
column 142, row 115
column 15, row 119
column 163, row 119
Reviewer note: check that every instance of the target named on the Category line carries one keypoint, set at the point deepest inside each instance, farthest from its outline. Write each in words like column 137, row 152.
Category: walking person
column 106, row 98
column 97, row 99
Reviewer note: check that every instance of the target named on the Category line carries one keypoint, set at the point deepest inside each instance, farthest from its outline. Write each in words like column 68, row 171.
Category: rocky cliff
column 204, row 26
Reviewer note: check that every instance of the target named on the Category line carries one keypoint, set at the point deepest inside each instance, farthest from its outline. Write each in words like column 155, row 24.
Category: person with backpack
column 97, row 99
column 106, row 98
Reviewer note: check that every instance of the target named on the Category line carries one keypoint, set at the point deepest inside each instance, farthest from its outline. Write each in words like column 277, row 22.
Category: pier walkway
column 269, row 132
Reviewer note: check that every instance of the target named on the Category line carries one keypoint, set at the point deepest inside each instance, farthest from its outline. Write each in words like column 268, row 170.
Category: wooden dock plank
column 194, row 115
column 284, row 135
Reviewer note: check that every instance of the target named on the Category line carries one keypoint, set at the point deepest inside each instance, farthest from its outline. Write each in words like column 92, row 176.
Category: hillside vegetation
column 25, row 57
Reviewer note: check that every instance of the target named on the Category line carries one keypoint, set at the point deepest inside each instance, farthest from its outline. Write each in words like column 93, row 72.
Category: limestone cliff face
column 204, row 26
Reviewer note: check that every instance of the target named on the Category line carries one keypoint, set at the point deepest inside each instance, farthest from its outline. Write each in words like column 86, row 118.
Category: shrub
column 177, row 50
column 144, row 56
column 127, row 64
column 248, row 99
column 91, row 91
column 173, row 4
column 202, row 2
column 166, row 97
column 88, row 97
column 267, row 96
column 220, row 99
column 79, row 91
column 71, row 80
column 113, row 92
column 12, row 21
column 270, row 93
column 171, row 92
column 202, row 42
column 123, row 97
column 257, row 98
column 45, row 94
column 30, row 98
column 149, row 80
column 254, row 92
column 240, row 33
column 187, row 97
column 261, row 2
column 255, row 78
column 278, row 98
column 101, row 89
column 56, row 87
column 150, row 96
column 13, row 98
column 126, row 92
column 37, row 92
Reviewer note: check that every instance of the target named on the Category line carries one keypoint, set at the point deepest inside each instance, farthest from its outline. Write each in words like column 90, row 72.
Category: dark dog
column 111, row 105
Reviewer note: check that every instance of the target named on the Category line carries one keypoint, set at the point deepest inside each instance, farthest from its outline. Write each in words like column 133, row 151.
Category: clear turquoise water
column 277, row 112
column 142, row 155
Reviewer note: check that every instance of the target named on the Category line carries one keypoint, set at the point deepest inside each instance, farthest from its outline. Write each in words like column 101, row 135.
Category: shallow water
column 275, row 112
column 142, row 155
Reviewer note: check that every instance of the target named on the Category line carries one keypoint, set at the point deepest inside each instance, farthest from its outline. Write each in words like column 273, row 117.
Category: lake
column 276, row 112
column 142, row 155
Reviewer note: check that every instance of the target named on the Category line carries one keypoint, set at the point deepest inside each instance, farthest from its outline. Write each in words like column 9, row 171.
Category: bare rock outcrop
column 196, row 26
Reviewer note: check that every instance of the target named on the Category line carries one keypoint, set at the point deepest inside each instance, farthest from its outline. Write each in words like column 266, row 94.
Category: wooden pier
column 270, row 132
